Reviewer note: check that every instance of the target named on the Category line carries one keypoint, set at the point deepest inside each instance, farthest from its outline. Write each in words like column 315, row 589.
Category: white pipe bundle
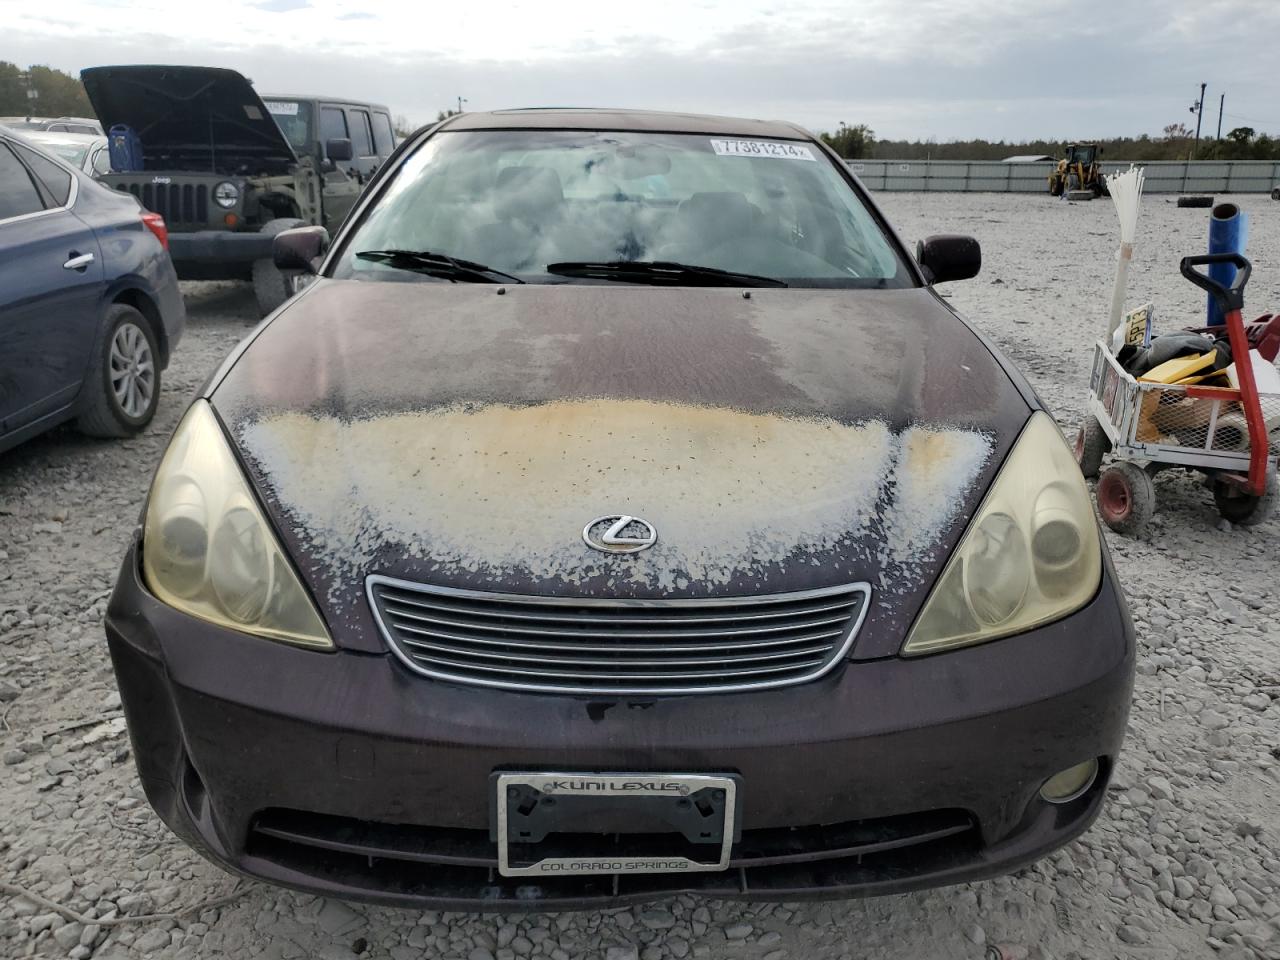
column 1126, row 194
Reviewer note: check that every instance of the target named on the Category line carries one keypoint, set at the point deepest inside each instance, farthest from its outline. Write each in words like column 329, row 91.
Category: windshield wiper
column 440, row 265
column 661, row 272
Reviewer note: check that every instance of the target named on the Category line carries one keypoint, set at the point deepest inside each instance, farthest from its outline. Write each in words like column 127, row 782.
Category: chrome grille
column 617, row 646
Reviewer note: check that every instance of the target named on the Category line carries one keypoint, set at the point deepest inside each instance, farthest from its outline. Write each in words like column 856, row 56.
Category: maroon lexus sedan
column 618, row 511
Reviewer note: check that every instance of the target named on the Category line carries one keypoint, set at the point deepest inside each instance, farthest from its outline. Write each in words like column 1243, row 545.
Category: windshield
column 293, row 117
column 518, row 201
column 72, row 153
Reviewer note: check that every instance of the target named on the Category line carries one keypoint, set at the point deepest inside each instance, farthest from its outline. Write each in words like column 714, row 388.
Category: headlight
column 208, row 550
column 226, row 194
column 1030, row 555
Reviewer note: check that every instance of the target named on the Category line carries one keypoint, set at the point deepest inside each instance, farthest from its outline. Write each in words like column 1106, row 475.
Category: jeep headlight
column 226, row 194
column 1030, row 555
column 208, row 550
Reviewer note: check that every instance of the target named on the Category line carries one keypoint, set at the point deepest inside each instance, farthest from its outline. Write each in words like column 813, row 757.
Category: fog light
column 230, row 219
column 1070, row 783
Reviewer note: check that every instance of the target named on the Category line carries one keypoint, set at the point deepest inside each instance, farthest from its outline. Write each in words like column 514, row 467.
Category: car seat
column 708, row 220
column 527, row 202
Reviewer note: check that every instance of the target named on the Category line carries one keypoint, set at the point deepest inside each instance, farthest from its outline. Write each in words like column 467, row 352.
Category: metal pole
column 1199, row 116
column 1221, row 102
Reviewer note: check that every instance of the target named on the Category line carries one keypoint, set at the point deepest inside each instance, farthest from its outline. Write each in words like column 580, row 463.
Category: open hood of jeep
column 191, row 118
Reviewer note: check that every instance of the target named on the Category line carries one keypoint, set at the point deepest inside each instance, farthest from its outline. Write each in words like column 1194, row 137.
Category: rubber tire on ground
column 1246, row 510
column 100, row 413
column 1079, row 195
column 270, row 287
column 1091, row 445
column 1275, row 193
column 1195, row 201
column 1126, row 497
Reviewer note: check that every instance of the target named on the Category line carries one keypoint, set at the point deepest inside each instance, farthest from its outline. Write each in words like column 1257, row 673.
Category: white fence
column 992, row 176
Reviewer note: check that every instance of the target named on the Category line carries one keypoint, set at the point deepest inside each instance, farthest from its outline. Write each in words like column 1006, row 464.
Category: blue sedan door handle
column 78, row 261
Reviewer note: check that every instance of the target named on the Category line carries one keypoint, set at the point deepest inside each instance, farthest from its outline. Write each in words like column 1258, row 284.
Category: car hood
column 190, row 118
column 464, row 434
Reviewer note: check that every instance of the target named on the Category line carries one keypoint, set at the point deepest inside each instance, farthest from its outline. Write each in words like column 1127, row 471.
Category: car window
column 293, row 117
column 519, row 200
column 72, row 153
column 361, row 135
column 80, row 128
column 333, row 124
column 53, row 176
column 383, row 137
column 102, row 161
column 18, row 194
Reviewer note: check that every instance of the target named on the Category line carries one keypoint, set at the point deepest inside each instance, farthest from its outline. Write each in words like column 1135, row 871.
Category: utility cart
column 1230, row 435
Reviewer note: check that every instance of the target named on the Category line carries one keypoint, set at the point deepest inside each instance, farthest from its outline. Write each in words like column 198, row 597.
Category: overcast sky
column 909, row 68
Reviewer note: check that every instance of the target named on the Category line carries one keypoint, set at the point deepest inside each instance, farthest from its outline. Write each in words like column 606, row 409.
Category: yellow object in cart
column 1215, row 378
column 1179, row 368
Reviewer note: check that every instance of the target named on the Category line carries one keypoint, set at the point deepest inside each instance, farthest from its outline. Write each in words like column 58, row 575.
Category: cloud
column 358, row 16
column 947, row 69
column 282, row 6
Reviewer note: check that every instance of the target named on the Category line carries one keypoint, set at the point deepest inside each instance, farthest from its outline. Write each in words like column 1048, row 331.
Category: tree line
column 1177, row 142
column 57, row 94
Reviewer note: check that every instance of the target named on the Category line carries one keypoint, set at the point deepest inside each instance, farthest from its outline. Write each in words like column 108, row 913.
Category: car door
column 51, row 285
column 341, row 188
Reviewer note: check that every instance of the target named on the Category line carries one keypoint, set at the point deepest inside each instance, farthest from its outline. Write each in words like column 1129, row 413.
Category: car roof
column 654, row 121
column 89, row 121
column 345, row 101
column 56, row 136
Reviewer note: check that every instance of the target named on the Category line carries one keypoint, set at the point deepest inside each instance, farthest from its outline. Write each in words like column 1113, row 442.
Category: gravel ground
column 1185, row 862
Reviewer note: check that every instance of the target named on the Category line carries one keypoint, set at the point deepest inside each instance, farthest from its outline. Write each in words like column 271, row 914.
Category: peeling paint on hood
column 506, row 490
column 839, row 436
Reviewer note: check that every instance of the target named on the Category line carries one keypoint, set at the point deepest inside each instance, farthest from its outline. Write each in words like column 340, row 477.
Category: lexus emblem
column 619, row 534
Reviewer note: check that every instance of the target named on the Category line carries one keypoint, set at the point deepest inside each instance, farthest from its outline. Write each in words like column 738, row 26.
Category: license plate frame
column 627, row 786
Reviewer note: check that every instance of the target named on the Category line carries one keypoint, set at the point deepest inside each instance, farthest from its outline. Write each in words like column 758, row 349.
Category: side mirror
column 338, row 150
column 300, row 248
column 947, row 256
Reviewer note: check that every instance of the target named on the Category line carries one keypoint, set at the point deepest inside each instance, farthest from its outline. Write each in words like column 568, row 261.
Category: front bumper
column 344, row 774
column 217, row 254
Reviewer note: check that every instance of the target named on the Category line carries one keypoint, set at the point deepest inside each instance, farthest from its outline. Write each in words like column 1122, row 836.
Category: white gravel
column 1185, row 862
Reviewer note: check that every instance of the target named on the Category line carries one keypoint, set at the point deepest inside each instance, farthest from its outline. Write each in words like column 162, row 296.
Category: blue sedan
column 90, row 309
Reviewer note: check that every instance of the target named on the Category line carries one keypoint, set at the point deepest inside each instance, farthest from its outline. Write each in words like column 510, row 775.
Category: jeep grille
column 181, row 204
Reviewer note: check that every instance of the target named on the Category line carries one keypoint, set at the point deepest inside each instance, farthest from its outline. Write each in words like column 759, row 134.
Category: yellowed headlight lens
column 208, row 550
column 1030, row 555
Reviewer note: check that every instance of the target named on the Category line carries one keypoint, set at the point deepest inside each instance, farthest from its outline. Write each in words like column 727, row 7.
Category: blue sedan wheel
column 133, row 369
column 123, row 398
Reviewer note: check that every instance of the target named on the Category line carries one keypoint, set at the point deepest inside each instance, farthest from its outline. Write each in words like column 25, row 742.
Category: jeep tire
column 270, row 287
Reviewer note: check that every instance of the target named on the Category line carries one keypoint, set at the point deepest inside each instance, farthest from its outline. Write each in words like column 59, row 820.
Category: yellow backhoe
column 1078, row 170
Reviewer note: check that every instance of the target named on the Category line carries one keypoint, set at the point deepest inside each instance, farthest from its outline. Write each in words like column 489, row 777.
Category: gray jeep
column 228, row 169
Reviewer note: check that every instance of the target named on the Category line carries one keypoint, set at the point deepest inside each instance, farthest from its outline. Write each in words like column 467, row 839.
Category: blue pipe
column 1228, row 233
